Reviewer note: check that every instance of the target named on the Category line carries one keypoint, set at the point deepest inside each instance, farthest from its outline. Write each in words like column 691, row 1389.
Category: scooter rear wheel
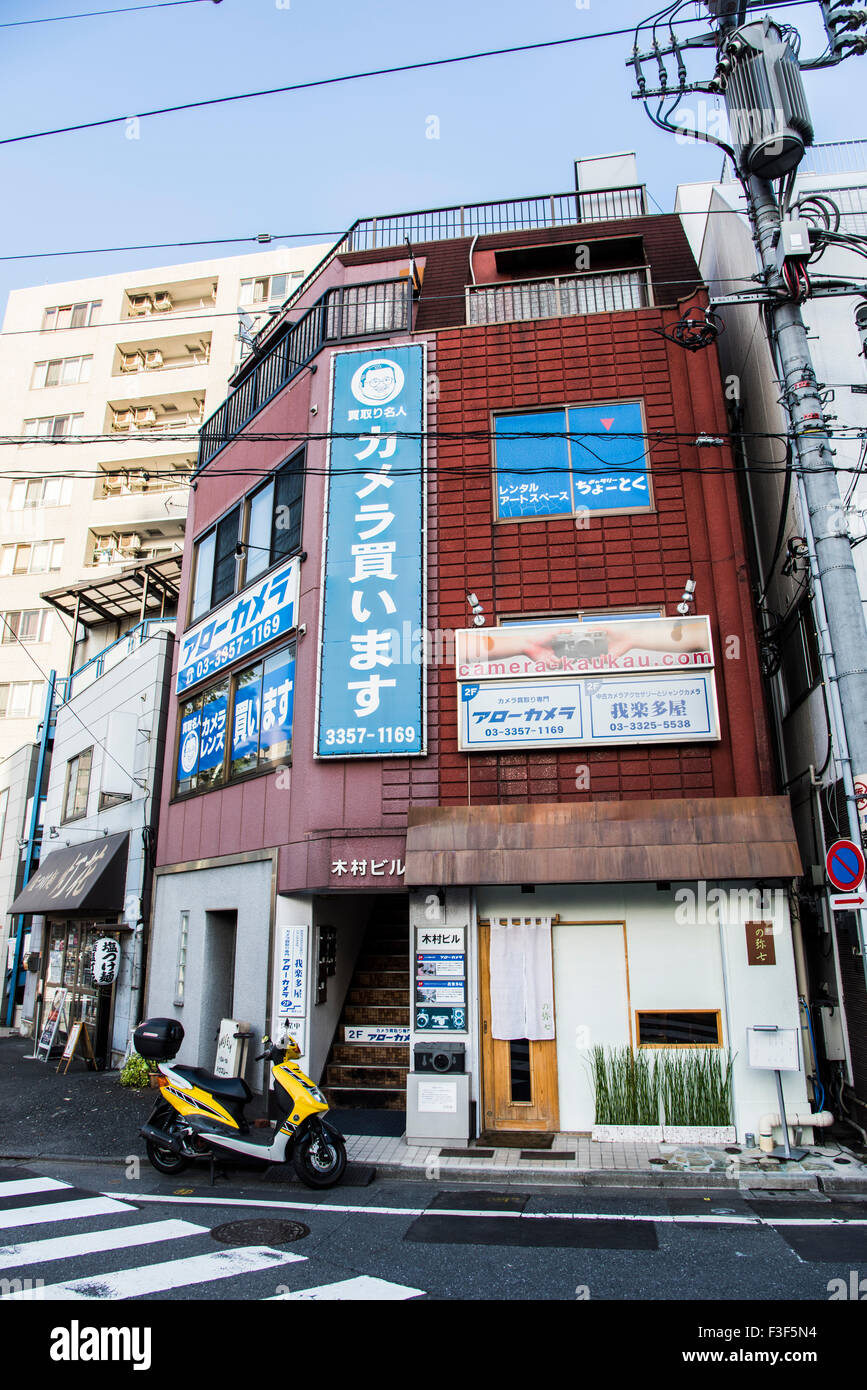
column 320, row 1159
column 165, row 1160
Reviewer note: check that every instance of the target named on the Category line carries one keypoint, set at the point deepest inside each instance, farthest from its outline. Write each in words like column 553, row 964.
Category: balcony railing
column 558, row 297
column 127, row 484
column 350, row 311
column 112, row 655
column 471, row 219
column 485, row 219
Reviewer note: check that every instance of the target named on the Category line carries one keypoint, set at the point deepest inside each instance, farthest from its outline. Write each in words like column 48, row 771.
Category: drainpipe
column 31, row 845
column 768, row 1123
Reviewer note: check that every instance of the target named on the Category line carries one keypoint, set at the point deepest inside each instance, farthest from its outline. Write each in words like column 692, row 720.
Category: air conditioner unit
column 139, row 304
column 153, row 357
column 145, row 415
column 123, row 420
column 130, row 361
column 162, row 302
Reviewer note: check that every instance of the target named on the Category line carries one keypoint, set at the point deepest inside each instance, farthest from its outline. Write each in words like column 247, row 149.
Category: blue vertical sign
column 371, row 677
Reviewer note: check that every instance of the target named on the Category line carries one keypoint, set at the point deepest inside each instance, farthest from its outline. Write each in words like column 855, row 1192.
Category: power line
column 95, row 14
column 346, row 77
column 166, row 246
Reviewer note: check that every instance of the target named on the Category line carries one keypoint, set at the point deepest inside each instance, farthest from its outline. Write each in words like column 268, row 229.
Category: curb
column 839, row 1185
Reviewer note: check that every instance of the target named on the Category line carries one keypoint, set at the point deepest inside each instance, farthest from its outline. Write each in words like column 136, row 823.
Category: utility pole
column 758, row 73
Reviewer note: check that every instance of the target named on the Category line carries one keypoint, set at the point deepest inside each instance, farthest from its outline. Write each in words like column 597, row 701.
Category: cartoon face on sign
column 378, row 382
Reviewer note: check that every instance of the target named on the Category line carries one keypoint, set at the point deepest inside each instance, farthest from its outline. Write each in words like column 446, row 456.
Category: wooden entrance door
column 519, row 1079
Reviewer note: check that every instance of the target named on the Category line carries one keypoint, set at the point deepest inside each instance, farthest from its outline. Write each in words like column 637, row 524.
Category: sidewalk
column 84, row 1115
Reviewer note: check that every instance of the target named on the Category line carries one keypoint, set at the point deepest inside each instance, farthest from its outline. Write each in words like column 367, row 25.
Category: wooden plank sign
column 760, row 943
column 77, row 1032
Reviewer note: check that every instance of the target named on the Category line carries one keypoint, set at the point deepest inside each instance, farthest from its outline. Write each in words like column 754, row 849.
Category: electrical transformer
column 765, row 100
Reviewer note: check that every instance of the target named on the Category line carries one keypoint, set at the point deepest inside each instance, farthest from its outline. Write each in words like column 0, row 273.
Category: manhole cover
column 260, row 1232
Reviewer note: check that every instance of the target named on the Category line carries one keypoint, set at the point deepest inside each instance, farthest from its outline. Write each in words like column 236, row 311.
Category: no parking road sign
column 844, row 864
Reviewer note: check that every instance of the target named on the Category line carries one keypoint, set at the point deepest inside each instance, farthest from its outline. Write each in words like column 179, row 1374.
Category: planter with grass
column 626, row 1087
column 695, row 1088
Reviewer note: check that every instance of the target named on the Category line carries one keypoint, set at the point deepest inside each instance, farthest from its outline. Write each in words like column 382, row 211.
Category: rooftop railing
column 113, row 655
column 349, row 311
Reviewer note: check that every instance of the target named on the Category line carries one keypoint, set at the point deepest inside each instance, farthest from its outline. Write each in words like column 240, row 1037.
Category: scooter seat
column 223, row 1087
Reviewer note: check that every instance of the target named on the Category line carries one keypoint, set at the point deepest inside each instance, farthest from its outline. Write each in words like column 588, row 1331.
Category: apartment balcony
column 182, row 413
column 141, row 363
column 160, row 301
column 128, row 500
column 559, row 296
column 112, row 655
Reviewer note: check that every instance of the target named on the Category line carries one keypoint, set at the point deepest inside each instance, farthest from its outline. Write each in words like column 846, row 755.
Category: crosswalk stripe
column 62, row 1211
column 363, row 1287
column 95, row 1242
column 25, row 1185
column 171, row 1274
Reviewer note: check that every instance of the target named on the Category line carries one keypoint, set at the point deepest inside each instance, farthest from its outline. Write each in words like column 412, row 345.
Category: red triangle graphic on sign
column 608, row 423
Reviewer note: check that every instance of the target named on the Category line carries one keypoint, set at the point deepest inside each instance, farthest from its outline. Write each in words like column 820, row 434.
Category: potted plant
column 138, row 1073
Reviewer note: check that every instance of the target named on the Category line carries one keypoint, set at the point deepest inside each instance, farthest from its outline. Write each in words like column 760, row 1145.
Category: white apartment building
column 136, row 360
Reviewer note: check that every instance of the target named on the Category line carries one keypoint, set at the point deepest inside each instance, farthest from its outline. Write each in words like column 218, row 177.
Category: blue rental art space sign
column 370, row 700
column 265, row 610
column 572, row 459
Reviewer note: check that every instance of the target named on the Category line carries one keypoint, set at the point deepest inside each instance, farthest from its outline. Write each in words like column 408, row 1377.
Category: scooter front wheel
column 320, row 1158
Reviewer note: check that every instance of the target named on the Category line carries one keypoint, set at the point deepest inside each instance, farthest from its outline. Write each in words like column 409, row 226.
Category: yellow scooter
column 199, row 1115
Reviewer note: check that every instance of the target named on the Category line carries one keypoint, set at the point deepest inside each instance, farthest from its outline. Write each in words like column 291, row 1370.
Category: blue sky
column 313, row 161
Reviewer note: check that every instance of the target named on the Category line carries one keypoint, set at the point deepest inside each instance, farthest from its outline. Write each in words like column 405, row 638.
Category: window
column 40, row 492
column 51, row 426
column 21, row 699
column 29, row 625
column 183, row 936
column 263, row 290
column 239, row 725
column 71, row 315
column 77, row 785
column 572, row 461
column 799, row 656
column 40, row 557
column 268, row 528
column 686, row 1028
column 4, row 803
column 61, row 371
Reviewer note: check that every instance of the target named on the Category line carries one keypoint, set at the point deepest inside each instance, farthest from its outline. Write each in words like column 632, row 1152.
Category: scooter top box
column 159, row 1039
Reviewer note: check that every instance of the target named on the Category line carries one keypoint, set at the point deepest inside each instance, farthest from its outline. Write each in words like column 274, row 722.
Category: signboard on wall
column 440, row 994
column 549, row 685
column 371, row 675
column 239, row 627
column 292, row 979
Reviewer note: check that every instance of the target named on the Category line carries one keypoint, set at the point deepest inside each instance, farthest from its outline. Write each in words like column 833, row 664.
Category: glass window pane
column 52, row 373
column 225, row 562
column 84, row 369
column 71, row 368
column 19, row 705
column 212, row 735
column 93, row 314
column 259, row 535
column 39, row 560
column 79, row 315
column 64, row 316
column 686, row 1029
column 532, row 474
column 51, row 492
column 38, row 378
column 519, row 1069
column 278, row 698
column 7, row 559
column 4, row 700
column 19, row 493
column 278, row 286
column 188, row 745
column 22, row 559
column 245, row 721
column 56, row 555
column 49, row 319
column 288, row 497
column 204, row 575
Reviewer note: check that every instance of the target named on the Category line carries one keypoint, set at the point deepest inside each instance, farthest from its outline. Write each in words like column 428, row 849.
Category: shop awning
column 603, row 842
column 89, row 877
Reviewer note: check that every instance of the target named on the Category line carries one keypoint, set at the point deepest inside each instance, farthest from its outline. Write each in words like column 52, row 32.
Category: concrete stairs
column 373, row 1075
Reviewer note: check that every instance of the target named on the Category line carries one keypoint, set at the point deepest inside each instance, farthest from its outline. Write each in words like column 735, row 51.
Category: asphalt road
column 405, row 1241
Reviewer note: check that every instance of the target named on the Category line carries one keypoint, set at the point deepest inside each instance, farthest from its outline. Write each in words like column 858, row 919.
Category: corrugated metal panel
column 603, row 842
